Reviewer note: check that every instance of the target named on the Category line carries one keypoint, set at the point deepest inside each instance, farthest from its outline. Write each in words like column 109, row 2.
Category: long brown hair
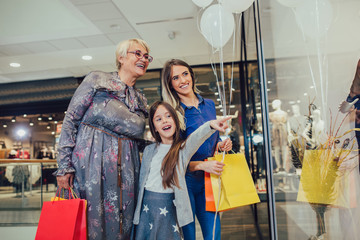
column 171, row 160
column 168, row 92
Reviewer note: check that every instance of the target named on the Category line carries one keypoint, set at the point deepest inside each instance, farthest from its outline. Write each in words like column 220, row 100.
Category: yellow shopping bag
column 320, row 181
column 237, row 186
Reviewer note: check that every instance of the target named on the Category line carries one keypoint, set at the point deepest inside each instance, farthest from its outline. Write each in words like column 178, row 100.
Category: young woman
column 193, row 110
column 163, row 202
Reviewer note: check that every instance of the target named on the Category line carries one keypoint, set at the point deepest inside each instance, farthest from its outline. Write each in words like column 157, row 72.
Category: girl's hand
column 65, row 181
column 213, row 167
column 220, row 124
column 226, row 145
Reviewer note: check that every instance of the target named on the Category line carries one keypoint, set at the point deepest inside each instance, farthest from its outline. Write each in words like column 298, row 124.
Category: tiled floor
column 295, row 221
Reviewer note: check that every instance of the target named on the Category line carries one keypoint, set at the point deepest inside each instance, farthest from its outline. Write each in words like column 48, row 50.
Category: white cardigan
column 181, row 201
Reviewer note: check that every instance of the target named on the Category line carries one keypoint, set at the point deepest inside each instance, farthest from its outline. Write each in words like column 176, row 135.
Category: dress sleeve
column 115, row 116
column 78, row 106
column 195, row 140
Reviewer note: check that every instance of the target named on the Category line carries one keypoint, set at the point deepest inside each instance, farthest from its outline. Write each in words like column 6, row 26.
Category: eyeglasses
column 139, row 55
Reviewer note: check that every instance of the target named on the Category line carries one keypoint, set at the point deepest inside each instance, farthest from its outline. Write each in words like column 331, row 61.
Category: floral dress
column 98, row 144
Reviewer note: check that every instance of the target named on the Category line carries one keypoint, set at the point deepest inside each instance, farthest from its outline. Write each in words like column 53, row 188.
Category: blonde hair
column 169, row 94
column 123, row 47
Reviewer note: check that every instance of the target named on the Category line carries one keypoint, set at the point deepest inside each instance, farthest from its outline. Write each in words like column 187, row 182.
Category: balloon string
column 218, row 199
column 306, row 50
column 323, row 89
column 221, row 59
column 232, row 60
column 223, row 104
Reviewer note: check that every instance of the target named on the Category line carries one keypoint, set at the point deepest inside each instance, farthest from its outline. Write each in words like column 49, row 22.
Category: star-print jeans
column 158, row 219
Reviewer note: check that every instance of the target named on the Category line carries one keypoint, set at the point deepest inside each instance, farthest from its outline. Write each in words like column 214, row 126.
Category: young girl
column 163, row 205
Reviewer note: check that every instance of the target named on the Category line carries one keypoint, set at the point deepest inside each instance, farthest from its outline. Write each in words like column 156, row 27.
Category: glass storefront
column 311, row 57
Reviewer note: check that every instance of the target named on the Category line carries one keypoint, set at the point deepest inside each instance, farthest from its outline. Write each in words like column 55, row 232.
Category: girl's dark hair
column 169, row 94
column 171, row 160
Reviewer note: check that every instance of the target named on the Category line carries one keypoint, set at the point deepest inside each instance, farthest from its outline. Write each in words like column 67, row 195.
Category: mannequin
column 43, row 152
column 296, row 126
column 279, row 119
column 296, row 123
column 314, row 131
column 51, row 153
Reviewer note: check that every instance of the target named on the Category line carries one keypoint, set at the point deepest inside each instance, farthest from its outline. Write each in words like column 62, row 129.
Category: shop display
column 279, row 136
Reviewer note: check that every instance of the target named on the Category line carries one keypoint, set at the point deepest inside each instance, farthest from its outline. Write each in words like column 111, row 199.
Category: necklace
column 190, row 101
column 196, row 102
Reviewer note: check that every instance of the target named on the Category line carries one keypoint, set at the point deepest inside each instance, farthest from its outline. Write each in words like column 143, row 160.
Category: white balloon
column 217, row 25
column 237, row 6
column 202, row 3
column 291, row 3
column 314, row 17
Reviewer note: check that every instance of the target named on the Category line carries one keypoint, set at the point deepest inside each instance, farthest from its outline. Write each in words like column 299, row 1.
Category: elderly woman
column 98, row 153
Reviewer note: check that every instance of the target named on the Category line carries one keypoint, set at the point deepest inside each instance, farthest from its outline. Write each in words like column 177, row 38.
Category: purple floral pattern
column 102, row 111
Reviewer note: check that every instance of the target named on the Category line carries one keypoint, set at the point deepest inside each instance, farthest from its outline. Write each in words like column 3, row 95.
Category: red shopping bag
column 62, row 219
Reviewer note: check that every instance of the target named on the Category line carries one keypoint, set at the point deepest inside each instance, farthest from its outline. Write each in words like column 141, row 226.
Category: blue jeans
column 196, row 189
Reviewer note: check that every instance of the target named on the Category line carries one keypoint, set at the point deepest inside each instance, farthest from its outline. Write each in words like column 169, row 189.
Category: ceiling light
column 55, row 122
column 4, row 125
column 25, row 115
column 50, row 118
column 216, row 93
column 305, row 94
column 86, row 57
column 31, row 124
column 312, row 87
column 52, row 133
column 268, row 89
column 13, row 119
column 40, row 118
column 115, row 26
column 298, row 101
column 15, row 65
column 171, row 35
column 218, row 99
column 232, row 106
column 21, row 132
column 48, row 126
column 269, row 82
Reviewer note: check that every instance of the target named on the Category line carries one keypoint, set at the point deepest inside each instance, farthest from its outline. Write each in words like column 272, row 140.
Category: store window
column 311, row 56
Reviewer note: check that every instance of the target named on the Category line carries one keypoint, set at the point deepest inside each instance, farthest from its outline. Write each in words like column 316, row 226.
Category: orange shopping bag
column 63, row 219
column 237, row 186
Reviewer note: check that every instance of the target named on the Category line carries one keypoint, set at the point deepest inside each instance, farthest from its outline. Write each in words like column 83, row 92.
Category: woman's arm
column 198, row 137
column 79, row 104
column 114, row 115
column 212, row 166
